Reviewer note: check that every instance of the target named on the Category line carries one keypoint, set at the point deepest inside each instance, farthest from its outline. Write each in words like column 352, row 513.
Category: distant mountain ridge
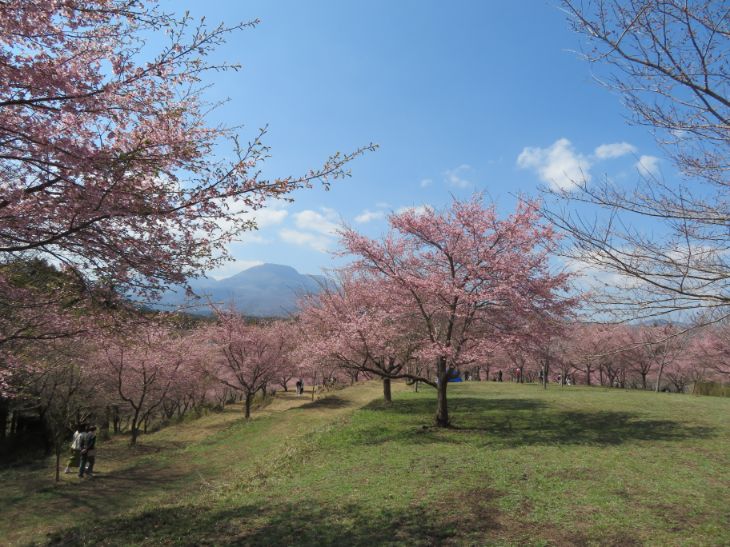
column 267, row 290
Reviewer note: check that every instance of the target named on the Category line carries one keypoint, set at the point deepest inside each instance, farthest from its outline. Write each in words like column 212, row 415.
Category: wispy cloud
column 458, row 176
column 318, row 242
column 368, row 216
column 315, row 229
column 559, row 165
column 323, row 223
column 425, row 183
column 648, row 166
column 614, row 150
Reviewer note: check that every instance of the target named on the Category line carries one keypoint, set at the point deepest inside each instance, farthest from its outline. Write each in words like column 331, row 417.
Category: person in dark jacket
column 88, row 453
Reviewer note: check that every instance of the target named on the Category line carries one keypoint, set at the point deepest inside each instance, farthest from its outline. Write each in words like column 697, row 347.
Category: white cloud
column 232, row 268
column 318, row 242
column 368, row 216
column 415, row 209
column 315, row 229
column 614, row 150
column 251, row 236
column 317, row 222
column 425, row 183
column 648, row 166
column 383, row 205
column 269, row 216
column 457, row 176
column 559, row 165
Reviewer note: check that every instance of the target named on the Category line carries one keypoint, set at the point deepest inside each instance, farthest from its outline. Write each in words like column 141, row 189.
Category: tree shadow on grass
column 306, row 523
column 455, row 518
column 524, row 422
column 104, row 495
column 330, row 401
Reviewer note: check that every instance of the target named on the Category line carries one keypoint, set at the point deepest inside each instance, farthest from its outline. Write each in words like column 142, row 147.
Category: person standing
column 73, row 460
column 88, row 453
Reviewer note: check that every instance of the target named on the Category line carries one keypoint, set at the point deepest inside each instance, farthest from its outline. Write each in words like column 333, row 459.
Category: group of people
column 300, row 386
column 83, row 451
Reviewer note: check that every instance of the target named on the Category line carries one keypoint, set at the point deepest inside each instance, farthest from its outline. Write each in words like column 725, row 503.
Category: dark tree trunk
column 4, row 412
column 386, row 390
column 442, row 409
column 247, row 405
column 58, row 461
column 135, row 428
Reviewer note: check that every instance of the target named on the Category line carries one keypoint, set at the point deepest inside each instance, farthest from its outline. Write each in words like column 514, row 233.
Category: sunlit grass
column 521, row 466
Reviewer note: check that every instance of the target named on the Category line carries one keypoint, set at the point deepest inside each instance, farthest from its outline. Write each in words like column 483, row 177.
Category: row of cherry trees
column 666, row 357
column 458, row 289
column 109, row 166
column 150, row 371
column 113, row 183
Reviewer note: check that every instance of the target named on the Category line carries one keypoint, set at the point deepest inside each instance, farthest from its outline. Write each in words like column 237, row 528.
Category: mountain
column 268, row 290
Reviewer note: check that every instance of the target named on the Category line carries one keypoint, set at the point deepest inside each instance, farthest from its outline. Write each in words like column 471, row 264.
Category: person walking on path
column 88, row 453
column 73, row 460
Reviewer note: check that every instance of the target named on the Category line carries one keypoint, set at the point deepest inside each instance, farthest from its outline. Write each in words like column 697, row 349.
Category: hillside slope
column 523, row 466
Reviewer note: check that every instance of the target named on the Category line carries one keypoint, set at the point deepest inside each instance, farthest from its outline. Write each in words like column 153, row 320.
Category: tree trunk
column 58, row 461
column 659, row 379
column 442, row 410
column 386, row 390
column 135, row 428
column 4, row 412
column 247, row 405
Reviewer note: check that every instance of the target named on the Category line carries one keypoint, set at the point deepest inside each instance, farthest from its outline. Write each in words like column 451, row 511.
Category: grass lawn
column 522, row 466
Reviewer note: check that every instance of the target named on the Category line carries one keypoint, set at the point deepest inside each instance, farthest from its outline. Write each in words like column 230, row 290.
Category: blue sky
column 461, row 96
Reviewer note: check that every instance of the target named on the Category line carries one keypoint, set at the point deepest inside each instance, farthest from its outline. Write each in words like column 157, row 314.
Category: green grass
column 522, row 466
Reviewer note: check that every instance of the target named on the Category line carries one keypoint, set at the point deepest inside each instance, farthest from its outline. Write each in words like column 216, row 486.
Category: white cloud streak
column 457, row 176
column 614, row 150
column 318, row 242
column 368, row 216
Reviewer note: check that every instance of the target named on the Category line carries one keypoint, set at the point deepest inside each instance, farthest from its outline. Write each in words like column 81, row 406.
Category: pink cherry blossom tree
column 142, row 365
column 245, row 357
column 470, row 280
column 712, row 347
column 107, row 162
column 353, row 322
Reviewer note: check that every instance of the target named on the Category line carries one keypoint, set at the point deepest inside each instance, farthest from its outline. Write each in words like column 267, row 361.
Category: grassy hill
column 523, row 466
